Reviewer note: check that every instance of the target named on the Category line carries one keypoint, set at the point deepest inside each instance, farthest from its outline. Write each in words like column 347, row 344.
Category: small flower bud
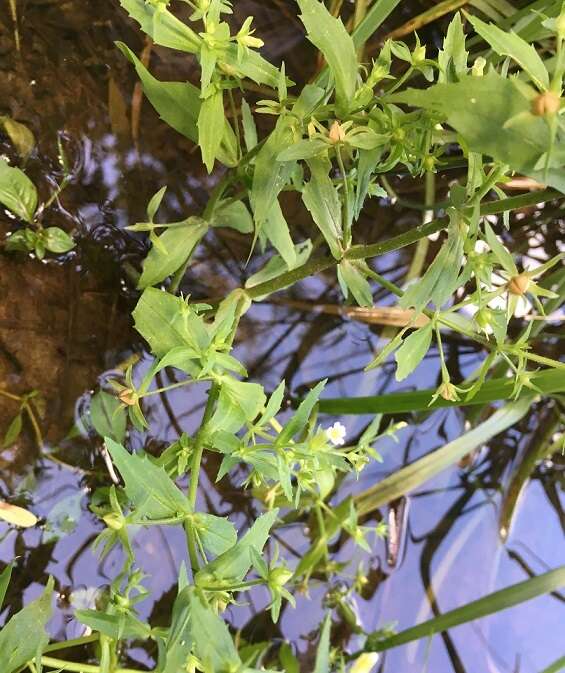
column 129, row 397
column 519, row 284
column 547, row 103
column 337, row 134
column 478, row 67
column 280, row 576
column 483, row 318
column 419, row 54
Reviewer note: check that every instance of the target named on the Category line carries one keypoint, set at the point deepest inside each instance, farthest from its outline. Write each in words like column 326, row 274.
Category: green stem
column 346, row 205
column 195, row 472
column 423, row 244
column 76, row 667
column 76, row 642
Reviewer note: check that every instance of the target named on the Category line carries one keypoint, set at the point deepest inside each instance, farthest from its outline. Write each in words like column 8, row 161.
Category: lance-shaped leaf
column 412, row 351
column 151, row 491
column 211, row 121
column 452, row 59
column 508, row 43
column 440, row 279
column 24, row 637
column 233, row 565
column 178, row 104
column 213, row 642
column 162, row 26
column 332, row 39
column 322, row 663
column 167, row 322
column 173, row 247
column 321, row 198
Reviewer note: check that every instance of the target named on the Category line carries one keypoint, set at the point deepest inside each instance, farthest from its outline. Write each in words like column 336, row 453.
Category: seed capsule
column 547, row 103
column 337, row 134
column 519, row 284
column 128, row 397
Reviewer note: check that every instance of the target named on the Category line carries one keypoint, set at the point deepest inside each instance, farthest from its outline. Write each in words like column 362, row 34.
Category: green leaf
column 417, row 473
column 5, row 577
column 213, row 642
column 162, row 26
column 488, row 605
column 493, row 116
column 180, row 640
column 114, row 626
column 303, row 149
column 452, row 59
column 56, row 240
column 276, row 229
column 298, row 422
column 166, row 322
column 249, row 127
column 253, row 65
column 217, row 534
column 21, row 137
column 549, row 381
column 233, row 216
column 276, row 266
column 211, row 121
column 17, row 192
column 234, row 564
column 289, row 662
column 375, row 16
column 154, row 495
column 508, row 43
column 108, row 416
column 176, row 244
column 13, row 431
column 440, row 279
column 155, row 202
column 503, row 257
column 24, row 637
column 178, row 105
column 239, row 401
column 322, row 664
column 413, row 350
column 329, row 35
column 270, row 176
column 353, row 281
column 321, row 198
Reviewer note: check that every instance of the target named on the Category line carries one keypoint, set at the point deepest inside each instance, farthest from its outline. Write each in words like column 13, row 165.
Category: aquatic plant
column 333, row 143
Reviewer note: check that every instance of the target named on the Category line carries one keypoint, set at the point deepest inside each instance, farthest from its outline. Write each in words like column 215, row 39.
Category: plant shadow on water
column 67, row 327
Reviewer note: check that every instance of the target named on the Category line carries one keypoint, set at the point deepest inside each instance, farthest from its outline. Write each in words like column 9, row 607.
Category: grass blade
column 378, row 13
column 549, row 381
column 410, row 477
column 488, row 605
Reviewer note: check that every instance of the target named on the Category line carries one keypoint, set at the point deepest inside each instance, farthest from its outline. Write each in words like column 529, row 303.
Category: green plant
column 333, row 143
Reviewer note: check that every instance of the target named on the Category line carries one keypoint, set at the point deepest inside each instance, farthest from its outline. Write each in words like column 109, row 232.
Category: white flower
column 336, row 434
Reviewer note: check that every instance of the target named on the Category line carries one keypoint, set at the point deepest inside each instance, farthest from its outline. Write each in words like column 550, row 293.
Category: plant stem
column 423, row 244
column 195, row 472
column 76, row 642
column 346, row 206
column 77, row 667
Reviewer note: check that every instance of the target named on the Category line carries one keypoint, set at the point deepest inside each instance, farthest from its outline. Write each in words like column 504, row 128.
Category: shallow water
column 69, row 80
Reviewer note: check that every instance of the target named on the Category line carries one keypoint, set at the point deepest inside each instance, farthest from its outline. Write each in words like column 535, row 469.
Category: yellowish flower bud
column 547, row 103
column 519, row 284
column 337, row 134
